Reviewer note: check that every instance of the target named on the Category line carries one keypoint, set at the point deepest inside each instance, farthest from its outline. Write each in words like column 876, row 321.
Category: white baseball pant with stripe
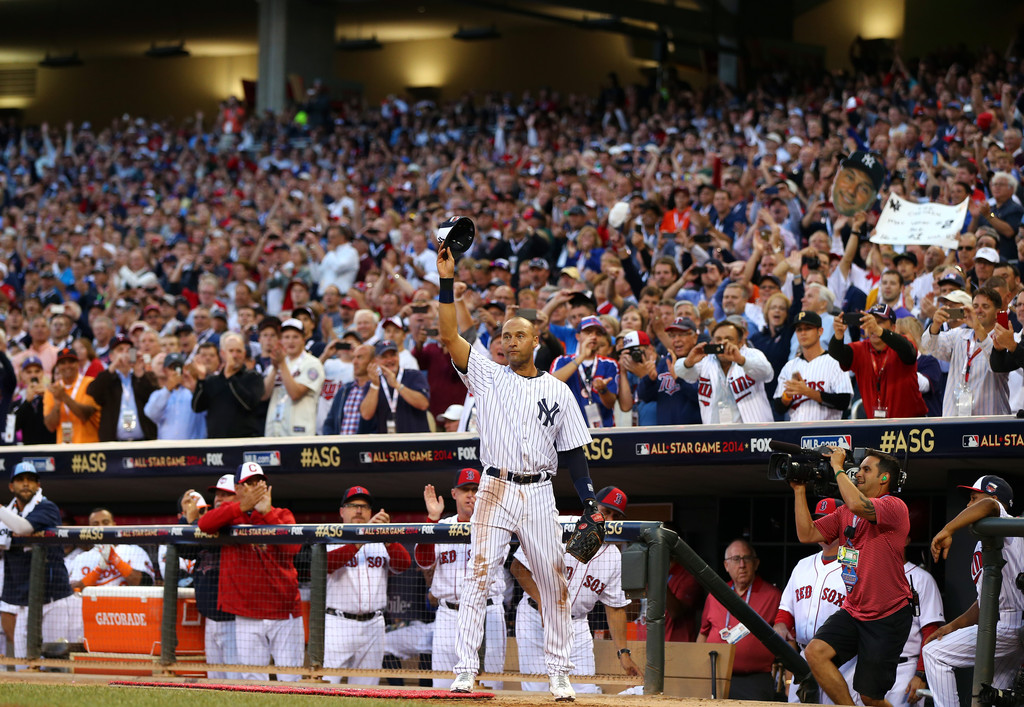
column 443, row 653
column 219, row 645
column 530, row 643
column 957, row 650
column 354, row 644
column 256, row 640
column 528, row 510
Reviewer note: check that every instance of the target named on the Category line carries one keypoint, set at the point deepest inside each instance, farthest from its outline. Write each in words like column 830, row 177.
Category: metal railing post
column 988, row 601
column 657, row 588
column 317, row 605
column 36, row 598
column 169, row 624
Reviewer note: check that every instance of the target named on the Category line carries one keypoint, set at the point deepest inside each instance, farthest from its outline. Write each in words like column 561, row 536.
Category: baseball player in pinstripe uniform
column 598, row 580
column 730, row 384
column 357, row 591
column 529, row 425
column 451, row 565
column 815, row 591
column 812, row 386
column 953, row 645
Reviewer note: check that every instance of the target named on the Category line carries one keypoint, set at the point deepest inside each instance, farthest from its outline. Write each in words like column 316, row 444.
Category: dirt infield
column 501, row 697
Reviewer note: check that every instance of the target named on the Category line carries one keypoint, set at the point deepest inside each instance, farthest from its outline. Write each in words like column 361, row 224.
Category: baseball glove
column 588, row 535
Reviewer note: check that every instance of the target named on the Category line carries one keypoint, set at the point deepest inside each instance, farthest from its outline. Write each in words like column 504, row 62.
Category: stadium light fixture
column 60, row 61
column 167, row 51
column 358, row 45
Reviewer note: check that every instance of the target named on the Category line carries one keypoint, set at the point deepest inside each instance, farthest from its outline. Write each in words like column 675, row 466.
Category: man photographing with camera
column 876, row 616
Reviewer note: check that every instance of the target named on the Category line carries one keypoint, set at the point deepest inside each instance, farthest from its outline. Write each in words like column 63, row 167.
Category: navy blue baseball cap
column 883, row 311
column 995, row 486
column 24, row 468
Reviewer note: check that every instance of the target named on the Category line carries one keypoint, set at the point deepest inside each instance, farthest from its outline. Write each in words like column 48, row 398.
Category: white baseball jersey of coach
column 598, row 580
column 292, row 418
column 519, row 417
column 740, row 390
column 814, row 592
column 451, row 567
column 822, row 374
column 361, row 585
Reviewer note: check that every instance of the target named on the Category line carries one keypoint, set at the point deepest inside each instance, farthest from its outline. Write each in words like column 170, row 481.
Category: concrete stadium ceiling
column 126, row 28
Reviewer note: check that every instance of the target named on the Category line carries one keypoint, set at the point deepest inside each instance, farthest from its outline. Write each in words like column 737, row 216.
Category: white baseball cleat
column 463, row 683
column 562, row 689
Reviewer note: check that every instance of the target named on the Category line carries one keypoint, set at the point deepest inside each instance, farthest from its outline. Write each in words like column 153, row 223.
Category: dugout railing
column 645, row 572
column 992, row 531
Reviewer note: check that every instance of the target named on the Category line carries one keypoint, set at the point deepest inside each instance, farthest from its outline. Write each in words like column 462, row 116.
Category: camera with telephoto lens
column 1011, row 697
column 812, row 467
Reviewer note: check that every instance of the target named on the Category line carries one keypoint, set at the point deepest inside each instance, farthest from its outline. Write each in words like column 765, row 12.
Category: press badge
column 848, row 556
column 392, row 426
column 593, row 415
column 735, row 634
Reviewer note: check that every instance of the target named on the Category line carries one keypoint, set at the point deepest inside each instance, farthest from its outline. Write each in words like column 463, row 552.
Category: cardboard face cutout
column 857, row 183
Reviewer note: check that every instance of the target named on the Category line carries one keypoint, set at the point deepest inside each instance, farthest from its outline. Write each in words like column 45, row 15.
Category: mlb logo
column 128, row 463
column 365, row 458
column 643, row 449
column 971, row 441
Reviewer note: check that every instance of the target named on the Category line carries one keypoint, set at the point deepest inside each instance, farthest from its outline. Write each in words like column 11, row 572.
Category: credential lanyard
column 746, row 600
column 393, row 397
column 74, row 393
column 970, row 359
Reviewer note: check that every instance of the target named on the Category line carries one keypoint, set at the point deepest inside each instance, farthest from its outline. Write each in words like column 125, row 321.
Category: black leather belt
column 454, row 605
column 354, row 617
column 518, row 478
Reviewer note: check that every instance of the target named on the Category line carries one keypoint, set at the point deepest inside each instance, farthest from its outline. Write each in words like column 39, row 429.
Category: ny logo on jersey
column 546, row 414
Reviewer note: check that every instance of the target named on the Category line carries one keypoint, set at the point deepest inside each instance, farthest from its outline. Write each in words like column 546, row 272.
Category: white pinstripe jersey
column 1010, row 598
column 814, row 592
column 361, row 586
column 523, row 422
column 930, row 605
column 741, row 389
column 824, row 375
column 598, row 580
column 110, row 577
column 451, row 567
column 990, row 389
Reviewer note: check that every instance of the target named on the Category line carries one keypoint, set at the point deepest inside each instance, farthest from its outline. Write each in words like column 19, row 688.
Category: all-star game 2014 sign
column 903, row 222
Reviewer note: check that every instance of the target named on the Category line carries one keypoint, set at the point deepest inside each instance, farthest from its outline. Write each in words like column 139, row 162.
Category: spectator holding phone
column 973, row 387
column 231, row 397
column 122, row 391
column 885, row 364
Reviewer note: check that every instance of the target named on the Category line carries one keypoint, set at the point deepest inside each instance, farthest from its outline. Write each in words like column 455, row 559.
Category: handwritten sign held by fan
column 903, row 222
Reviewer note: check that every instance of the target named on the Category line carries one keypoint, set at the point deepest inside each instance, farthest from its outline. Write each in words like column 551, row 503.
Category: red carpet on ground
column 298, row 690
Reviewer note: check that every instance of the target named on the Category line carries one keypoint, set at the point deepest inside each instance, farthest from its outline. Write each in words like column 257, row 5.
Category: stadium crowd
column 150, row 268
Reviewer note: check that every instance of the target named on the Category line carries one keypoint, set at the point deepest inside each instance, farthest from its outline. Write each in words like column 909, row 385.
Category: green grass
column 30, row 695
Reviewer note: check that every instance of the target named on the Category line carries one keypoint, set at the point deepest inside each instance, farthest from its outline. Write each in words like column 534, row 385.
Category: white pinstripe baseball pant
column 528, row 510
column 957, row 649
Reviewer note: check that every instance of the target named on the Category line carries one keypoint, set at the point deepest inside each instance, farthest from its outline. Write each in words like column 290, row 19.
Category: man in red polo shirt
column 752, row 666
column 875, row 619
column 885, row 364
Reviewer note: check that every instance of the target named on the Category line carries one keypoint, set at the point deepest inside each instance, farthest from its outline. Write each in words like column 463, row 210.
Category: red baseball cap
column 355, row 492
column 826, row 506
column 613, row 498
column 465, row 477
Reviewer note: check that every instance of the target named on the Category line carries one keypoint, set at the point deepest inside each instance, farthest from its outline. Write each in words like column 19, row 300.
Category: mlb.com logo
column 844, row 441
column 643, row 449
column 971, row 441
column 270, row 458
column 365, row 458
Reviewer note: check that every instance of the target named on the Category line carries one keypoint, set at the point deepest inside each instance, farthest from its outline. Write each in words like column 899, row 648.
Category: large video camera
column 810, row 466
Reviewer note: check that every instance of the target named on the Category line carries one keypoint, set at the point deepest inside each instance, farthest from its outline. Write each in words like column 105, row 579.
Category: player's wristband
column 123, row 567
column 446, row 292
column 921, row 676
column 623, row 651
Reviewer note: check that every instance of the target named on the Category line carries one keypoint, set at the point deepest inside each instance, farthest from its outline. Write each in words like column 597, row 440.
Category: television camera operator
column 876, row 616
